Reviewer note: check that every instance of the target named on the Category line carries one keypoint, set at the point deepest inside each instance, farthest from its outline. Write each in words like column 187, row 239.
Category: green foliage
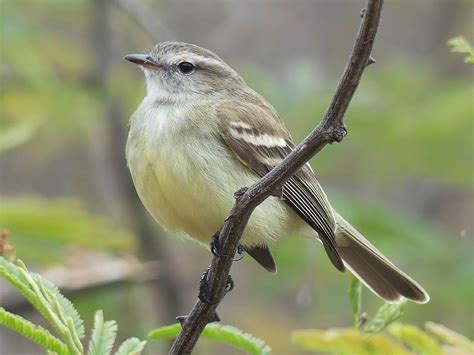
column 370, row 339
column 43, row 228
column 344, row 341
column 392, row 230
column 223, row 333
column 404, row 339
column 417, row 339
column 34, row 332
column 449, row 336
column 103, row 335
column 67, row 322
column 408, row 123
column 413, row 244
column 355, row 292
column 461, row 45
column 48, row 301
column 61, row 315
column 64, row 318
column 132, row 346
column 386, row 315
column 46, row 298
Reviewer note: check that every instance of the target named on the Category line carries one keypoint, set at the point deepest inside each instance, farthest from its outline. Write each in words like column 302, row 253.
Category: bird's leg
column 215, row 248
column 240, row 253
column 203, row 293
column 230, row 284
column 215, row 244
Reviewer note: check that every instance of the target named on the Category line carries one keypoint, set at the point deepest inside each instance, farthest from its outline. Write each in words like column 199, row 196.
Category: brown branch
column 330, row 129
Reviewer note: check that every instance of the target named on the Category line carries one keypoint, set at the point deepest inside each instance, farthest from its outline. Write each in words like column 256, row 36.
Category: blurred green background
column 403, row 175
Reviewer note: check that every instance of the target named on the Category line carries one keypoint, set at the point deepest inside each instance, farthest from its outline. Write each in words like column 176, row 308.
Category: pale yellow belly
column 193, row 194
column 186, row 179
column 180, row 201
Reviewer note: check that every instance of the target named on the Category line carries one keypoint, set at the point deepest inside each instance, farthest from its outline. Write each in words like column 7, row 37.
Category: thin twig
column 330, row 129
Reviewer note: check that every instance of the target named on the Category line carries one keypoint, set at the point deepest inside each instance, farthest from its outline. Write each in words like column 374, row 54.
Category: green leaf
column 61, row 314
column 227, row 334
column 355, row 296
column 66, row 307
column 132, row 346
column 165, row 332
column 345, row 341
column 449, row 336
column 35, row 333
column 385, row 315
column 47, row 299
column 461, row 45
column 103, row 335
column 417, row 339
column 12, row 273
column 56, row 309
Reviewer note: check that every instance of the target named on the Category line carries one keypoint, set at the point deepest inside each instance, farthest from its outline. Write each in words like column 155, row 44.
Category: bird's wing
column 259, row 139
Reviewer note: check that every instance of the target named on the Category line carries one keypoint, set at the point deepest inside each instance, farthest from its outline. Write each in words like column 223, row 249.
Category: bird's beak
column 141, row 59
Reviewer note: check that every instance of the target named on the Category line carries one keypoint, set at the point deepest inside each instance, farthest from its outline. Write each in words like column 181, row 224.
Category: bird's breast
column 186, row 176
column 175, row 173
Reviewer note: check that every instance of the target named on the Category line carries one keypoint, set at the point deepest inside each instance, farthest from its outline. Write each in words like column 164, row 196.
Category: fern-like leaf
column 461, row 45
column 132, row 346
column 227, row 334
column 449, row 336
column 67, row 308
column 47, row 299
column 17, row 278
column 345, row 341
column 103, row 335
column 35, row 333
column 386, row 315
column 417, row 339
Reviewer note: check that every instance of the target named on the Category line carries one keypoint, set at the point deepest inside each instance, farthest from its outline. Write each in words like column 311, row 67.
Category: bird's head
column 177, row 71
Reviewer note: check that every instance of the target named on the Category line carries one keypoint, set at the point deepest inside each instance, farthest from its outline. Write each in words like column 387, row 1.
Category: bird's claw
column 203, row 293
column 215, row 249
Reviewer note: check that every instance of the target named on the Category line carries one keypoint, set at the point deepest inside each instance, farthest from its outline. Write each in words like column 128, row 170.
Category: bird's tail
column 372, row 268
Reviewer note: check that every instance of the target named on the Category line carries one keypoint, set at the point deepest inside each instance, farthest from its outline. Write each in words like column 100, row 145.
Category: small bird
column 201, row 133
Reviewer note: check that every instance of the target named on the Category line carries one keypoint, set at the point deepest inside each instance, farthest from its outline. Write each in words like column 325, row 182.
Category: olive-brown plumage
column 201, row 133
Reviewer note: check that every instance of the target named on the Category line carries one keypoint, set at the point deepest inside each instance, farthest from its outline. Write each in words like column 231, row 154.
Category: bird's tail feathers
column 373, row 269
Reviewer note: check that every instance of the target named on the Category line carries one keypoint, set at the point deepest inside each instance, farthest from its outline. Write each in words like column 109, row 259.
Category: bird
column 201, row 133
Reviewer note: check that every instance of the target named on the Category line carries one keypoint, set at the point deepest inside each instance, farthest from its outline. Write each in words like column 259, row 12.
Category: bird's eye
column 186, row 67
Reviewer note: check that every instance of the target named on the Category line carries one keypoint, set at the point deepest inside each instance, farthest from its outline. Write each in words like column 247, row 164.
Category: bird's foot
column 204, row 291
column 215, row 244
column 215, row 249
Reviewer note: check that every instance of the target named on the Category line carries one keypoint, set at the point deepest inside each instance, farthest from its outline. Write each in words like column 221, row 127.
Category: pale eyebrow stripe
column 196, row 59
